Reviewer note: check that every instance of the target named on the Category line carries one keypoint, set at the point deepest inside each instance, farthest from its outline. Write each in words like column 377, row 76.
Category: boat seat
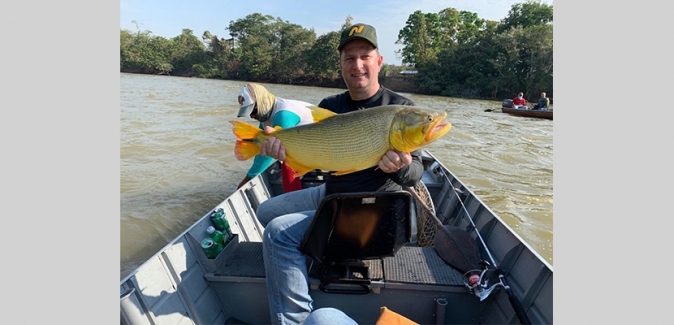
column 348, row 228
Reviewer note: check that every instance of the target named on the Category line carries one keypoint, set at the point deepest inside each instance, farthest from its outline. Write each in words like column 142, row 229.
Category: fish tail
column 245, row 150
column 244, row 131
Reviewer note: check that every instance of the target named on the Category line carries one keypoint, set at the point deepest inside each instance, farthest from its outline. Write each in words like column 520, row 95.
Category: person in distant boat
column 543, row 102
column 520, row 101
column 270, row 110
column 287, row 217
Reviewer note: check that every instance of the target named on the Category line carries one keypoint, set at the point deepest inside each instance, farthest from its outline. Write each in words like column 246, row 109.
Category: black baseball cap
column 355, row 31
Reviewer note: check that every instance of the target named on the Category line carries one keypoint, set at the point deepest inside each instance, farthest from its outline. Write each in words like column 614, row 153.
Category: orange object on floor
column 389, row 317
column 290, row 182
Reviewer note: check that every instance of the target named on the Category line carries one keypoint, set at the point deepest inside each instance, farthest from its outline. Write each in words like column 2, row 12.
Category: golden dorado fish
column 348, row 142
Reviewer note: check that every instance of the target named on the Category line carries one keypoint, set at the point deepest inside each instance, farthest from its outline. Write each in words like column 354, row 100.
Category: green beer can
column 211, row 248
column 217, row 235
column 218, row 219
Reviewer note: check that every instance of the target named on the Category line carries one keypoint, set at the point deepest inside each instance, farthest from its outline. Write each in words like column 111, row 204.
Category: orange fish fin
column 245, row 150
column 244, row 130
column 320, row 114
column 297, row 167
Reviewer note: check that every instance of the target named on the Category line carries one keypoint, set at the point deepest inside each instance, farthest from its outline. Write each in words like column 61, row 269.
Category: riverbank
column 398, row 83
column 401, row 83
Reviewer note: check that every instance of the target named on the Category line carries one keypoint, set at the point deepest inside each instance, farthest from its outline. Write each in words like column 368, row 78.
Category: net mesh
column 425, row 225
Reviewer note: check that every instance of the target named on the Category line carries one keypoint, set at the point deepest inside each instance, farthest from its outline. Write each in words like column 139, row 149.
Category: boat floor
column 410, row 282
column 411, row 264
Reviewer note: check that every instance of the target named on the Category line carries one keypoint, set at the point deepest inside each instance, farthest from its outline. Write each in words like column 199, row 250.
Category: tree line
column 456, row 53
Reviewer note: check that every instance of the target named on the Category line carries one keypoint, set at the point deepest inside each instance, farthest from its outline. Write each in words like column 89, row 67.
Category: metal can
column 217, row 235
column 211, row 248
column 228, row 229
column 218, row 219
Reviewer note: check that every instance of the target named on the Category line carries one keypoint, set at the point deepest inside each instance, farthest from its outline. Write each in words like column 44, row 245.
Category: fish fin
column 398, row 142
column 319, row 113
column 245, row 150
column 297, row 167
column 244, row 131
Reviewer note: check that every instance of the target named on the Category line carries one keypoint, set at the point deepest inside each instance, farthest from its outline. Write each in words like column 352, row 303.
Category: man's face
column 360, row 63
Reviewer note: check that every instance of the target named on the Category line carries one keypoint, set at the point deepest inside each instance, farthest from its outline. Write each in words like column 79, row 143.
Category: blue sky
column 167, row 18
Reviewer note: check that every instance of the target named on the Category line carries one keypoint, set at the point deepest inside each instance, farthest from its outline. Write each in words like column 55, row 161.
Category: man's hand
column 272, row 146
column 392, row 161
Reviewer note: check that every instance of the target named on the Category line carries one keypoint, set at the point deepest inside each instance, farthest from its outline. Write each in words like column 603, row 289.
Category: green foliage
column 224, row 57
column 422, row 38
column 456, row 53
column 526, row 58
column 145, row 53
column 270, row 48
column 323, row 58
column 294, row 43
column 255, row 35
column 187, row 52
column 459, row 54
column 527, row 14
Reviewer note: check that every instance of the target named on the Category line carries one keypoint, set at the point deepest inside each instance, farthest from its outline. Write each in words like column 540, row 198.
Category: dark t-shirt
column 370, row 180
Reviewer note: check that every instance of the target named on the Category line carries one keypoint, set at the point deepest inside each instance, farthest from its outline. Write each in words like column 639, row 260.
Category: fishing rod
column 483, row 291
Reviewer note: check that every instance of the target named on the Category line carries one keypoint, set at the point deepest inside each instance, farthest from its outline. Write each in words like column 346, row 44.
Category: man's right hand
column 272, row 146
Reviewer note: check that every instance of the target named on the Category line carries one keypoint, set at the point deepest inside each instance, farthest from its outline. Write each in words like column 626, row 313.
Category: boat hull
column 179, row 285
column 524, row 111
column 546, row 114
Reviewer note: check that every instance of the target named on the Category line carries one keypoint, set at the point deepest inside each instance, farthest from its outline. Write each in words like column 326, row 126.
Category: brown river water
column 177, row 160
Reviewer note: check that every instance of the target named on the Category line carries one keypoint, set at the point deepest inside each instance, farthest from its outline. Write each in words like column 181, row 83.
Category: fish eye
column 429, row 118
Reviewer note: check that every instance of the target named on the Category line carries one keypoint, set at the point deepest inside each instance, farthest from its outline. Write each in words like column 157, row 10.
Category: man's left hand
column 392, row 161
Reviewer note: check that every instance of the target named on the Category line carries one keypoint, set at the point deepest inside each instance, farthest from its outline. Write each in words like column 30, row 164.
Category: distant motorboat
column 507, row 107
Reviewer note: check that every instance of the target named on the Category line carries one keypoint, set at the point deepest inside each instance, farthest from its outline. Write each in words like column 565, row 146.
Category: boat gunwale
column 486, row 207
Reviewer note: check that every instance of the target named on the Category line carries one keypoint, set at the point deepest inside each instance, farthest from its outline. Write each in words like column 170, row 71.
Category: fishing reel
column 477, row 282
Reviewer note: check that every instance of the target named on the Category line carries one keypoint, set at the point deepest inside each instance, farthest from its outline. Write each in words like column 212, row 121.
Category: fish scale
column 354, row 140
column 351, row 141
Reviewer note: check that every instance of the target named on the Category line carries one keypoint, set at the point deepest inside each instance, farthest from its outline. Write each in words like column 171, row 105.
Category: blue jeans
column 286, row 219
column 329, row 315
column 292, row 202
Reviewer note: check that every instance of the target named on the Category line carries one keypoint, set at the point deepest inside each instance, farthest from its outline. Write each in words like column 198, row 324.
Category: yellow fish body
column 348, row 142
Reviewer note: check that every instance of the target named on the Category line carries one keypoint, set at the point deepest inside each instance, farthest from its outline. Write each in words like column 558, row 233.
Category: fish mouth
column 438, row 128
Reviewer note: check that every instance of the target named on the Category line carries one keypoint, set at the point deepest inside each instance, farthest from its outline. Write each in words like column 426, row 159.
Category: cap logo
column 356, row 29
column 240, row 100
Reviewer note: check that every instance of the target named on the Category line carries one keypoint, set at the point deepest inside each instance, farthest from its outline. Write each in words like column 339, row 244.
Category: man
column 258, row 103
column 519, row 102
column 543, row 102
column 287, row 217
